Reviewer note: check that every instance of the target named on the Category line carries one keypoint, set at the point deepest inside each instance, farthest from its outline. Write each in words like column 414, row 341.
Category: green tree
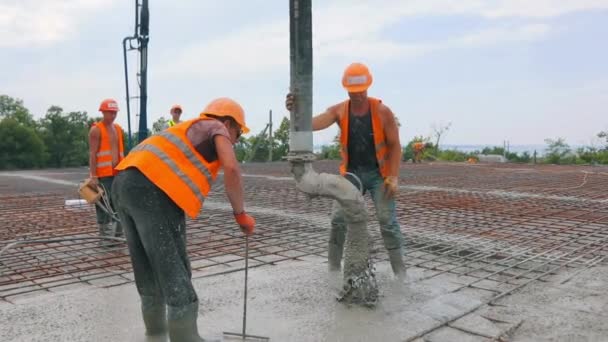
column 20, row 146
column 604, row 134
column 14, row 108
column 92, row 121
column 556, row 151
column 331, row 151
column 281, row 135
column 159, row 125
column 241, row 149
column 259, row 146
column 66, row 137
column 408, row 150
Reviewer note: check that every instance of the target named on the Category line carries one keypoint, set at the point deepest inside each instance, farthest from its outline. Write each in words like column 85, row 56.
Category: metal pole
column 143, row 39
column 245, row 296
column 124, row 49
column 300, row 48
column 270, row 138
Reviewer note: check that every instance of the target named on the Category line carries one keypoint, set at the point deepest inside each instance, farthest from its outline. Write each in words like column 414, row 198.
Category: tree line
column 60, row 139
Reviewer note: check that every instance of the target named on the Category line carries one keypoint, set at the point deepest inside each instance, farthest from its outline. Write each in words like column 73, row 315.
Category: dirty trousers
column 102, row 216
column 155, row 228
column 385, row 211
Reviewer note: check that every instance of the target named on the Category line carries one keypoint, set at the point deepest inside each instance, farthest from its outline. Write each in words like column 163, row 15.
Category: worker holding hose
column 164, row 178
column 106, row 150
column 370, row 150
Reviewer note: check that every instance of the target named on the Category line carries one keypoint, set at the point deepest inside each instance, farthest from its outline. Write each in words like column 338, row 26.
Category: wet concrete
column 290, row 302
column 565, row 309
column 295, row 301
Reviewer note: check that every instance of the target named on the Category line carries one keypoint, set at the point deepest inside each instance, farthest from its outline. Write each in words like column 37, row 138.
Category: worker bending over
column 164, row 178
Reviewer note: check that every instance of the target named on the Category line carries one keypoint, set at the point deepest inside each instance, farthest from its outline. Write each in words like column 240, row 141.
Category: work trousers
column 155, row 228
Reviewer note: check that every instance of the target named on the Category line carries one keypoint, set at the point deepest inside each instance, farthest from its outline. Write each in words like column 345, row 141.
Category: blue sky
column 520, row 70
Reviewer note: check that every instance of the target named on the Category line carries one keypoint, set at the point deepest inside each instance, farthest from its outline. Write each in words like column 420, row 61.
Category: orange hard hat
column 108, row 105
column 224, row 106
column 176, row 106
column 356, row 78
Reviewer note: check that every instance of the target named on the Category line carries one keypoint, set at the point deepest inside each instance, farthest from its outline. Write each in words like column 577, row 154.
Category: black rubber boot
column 154, row 313
column 182, row 323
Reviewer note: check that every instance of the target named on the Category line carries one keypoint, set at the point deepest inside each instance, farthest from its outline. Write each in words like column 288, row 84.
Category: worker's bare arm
column 233, row 181
column 393, row 143
column 320, row 121
column 326, row 119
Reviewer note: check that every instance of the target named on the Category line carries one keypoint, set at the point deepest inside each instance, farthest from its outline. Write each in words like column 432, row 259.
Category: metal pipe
column 128, row 99
column 300, row 44
column 143, row 87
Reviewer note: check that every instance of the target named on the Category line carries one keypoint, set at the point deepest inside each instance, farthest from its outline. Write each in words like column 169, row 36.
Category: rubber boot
column 182, row 323
column 154, row 313
column 396, row 259
column 334, row 257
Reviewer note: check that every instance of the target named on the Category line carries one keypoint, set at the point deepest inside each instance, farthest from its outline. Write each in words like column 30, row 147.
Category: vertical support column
column 143, row 90
column 300, row 48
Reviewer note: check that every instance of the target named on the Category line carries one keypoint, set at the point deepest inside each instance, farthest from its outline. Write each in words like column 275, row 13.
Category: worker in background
column 164, row 178
column 418, row 148
column 371, row 150
column 106, row 150
column 176, row 112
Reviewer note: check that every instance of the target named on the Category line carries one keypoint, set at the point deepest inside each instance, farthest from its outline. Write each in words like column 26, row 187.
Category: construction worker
column 164, row 178
column 176, row 112
column 418, row 148
column 371, row 150
column 106, row 150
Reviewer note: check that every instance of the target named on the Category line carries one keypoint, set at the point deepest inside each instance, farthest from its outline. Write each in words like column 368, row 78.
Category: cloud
column 528, row 32
column 261, row 49
column 541, row 8
column 26, row 23
column 252, row 50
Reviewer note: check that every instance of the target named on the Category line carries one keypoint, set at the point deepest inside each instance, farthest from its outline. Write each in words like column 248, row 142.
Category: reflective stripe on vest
column 169, row 160
column 379, row 137
column 171, row 123
column 104, row 154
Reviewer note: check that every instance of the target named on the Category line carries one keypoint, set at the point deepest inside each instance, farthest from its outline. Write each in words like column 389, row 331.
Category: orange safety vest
column 379, row 137
column 171, row 162
column 104, row 154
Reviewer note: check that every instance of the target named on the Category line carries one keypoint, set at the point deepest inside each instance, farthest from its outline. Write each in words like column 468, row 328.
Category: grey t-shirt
column 201, row 136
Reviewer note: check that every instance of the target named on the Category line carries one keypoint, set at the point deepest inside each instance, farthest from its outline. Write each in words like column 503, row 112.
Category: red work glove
column 246, row 222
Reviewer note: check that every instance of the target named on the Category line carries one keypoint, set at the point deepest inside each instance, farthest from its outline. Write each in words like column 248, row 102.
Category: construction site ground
column 494, row 252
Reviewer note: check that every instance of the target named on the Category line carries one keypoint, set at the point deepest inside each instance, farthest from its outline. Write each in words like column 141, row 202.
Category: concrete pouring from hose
column 359, row 281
